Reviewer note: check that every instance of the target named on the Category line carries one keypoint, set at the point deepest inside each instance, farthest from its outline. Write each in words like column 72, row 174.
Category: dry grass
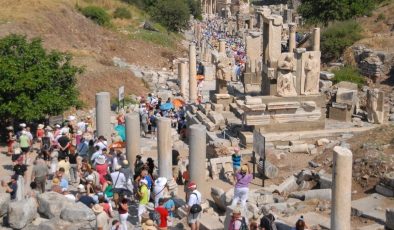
column 62, row 27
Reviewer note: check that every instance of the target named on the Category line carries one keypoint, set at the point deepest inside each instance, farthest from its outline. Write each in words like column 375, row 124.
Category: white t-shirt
column 119, row 182
column 194, row 198
column 102, row 145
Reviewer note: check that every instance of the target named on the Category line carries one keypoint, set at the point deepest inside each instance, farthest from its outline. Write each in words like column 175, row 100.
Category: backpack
column 155, row 216
column 195, row 208
column 268, row 220
column 244, row 226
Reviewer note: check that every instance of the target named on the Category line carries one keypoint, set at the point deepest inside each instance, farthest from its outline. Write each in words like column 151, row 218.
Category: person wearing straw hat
column 149, row 225
column 102, row 219
column 243, row 178
column 237, row 221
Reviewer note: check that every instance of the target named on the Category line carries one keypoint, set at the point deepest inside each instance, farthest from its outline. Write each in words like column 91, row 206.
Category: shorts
column 193, row 218
column 25, row 149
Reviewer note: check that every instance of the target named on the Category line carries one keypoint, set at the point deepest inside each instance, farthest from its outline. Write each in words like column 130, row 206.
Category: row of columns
column 209, row 6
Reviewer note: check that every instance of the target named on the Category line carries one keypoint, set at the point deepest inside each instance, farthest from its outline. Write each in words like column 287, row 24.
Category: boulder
column 58, row 224
column 77, row 212
column 22, row 213
column 51, row 204
column 222, row 199
column 390, row 218
column 4, row 202
column 322, row 141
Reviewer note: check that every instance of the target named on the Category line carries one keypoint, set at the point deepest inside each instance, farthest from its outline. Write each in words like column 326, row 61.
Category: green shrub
column 324, row 11
column 122, row 12
column 173, row 14
column 337, row 37
column 349, row 73
column 97, row 14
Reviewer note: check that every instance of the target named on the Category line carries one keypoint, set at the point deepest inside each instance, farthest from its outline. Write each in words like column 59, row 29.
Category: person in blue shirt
column 169, row 205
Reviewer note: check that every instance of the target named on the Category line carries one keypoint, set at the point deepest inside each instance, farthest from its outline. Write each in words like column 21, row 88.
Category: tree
column 34, row 83
column 173, row 14
column 315, row 11
column 195, row 8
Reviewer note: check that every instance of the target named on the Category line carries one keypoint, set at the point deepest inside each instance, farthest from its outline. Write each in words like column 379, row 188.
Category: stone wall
column 374, row 64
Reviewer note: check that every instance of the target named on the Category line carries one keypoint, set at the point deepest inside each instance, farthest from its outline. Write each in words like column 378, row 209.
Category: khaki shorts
column 193, row 218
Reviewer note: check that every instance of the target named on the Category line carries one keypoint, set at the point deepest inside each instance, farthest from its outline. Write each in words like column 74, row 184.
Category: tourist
column 115, row 225
column 54, row 155
column 163, row 214
column 144, row 122
column 11, row 187
column 106, row 206
column 143, row 194
column 72, row 158
column 101, row 143
column 64, row 145
column 56, row 186
column 83, row 148
column 68, row 195
column 243, row 179
column 138, row 165
column 40, row 133
column 118, row 184
column 237, row 221
column 65, row 165
column 63, row 181
column 11, row 139
column 158, row 189
column 267, row 222
column 300, row 224
column 39, row 174
column 83, row 197
column 20, row 170
column 24, row 142
column 123, row 213
column 95, row 155
column 151, row 165
column 149, row 225
column 170, row 206
column 236, row 159
column 101, row 166
column 125, row 169
column 186, row 178
column 194, row 207
column 102, row 219
column 33, row 190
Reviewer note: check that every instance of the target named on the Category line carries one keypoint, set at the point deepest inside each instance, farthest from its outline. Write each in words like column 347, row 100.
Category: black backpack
column 195, row 208
column 268, row 222
column 244, row 226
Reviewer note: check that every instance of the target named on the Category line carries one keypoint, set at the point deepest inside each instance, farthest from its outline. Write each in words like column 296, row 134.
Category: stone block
column 299, row 148
column 22, row 213
column 4, row 203
column 346, row 96
column 282, row 105
column 324, row 75
column 325, row 181
column 340, row 114
column 372, row 207
column 246, row 139
column 322, row 141
column 181, row 212
column 253, row 100
column 388, row 179
column 51, row 204
column 217, row 119
column 210, row 222
column 217, row 107
column 324, row 84
column 77, row 212
column 390, row 218
column 384, row 190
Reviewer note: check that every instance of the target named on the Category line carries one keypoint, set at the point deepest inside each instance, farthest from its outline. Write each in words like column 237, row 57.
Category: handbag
column 195, row 208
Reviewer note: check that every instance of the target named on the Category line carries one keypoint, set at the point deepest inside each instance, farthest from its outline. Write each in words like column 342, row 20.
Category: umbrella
column 121, row 130
column 178, row 102
column 118, row 145
column 166, row 106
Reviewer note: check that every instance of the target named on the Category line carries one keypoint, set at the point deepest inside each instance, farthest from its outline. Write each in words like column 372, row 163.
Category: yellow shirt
column 144, row 198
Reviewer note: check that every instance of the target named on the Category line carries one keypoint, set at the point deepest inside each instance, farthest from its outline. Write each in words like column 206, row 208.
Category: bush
column 381, row 17
column 97, row 14
column 337, row 37
column 195, row 8
column 122, row 12
column 173, row 14
column 349, row 73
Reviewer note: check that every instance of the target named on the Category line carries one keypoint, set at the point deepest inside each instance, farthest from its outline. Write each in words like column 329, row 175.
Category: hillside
column 62, row 27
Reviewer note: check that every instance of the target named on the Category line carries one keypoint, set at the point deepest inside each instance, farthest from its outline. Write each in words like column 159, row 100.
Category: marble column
column 251, row 22
column 164, row 146
column 341, row 188
column 292, row 36
column 192, row 73
column 133, row 134
column 182, row 77
column 316, row 39
column 197, row 154
column 222, row 46
column 103, row 115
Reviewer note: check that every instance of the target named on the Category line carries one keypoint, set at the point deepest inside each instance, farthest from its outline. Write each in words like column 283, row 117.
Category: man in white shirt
column 102, row 143
column 194, row 198
column 119, row 184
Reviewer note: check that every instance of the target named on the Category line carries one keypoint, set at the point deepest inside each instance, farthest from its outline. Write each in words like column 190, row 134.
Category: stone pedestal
column 133, row 134
column 182, row 77
column 192, row 73
column 197, row 154
column 103, row 114
column 342, row 189
column 164, row 146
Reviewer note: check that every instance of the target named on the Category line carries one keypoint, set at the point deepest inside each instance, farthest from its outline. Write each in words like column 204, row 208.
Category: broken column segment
column 103, row 114
column 197, row 155
column 133, row 133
